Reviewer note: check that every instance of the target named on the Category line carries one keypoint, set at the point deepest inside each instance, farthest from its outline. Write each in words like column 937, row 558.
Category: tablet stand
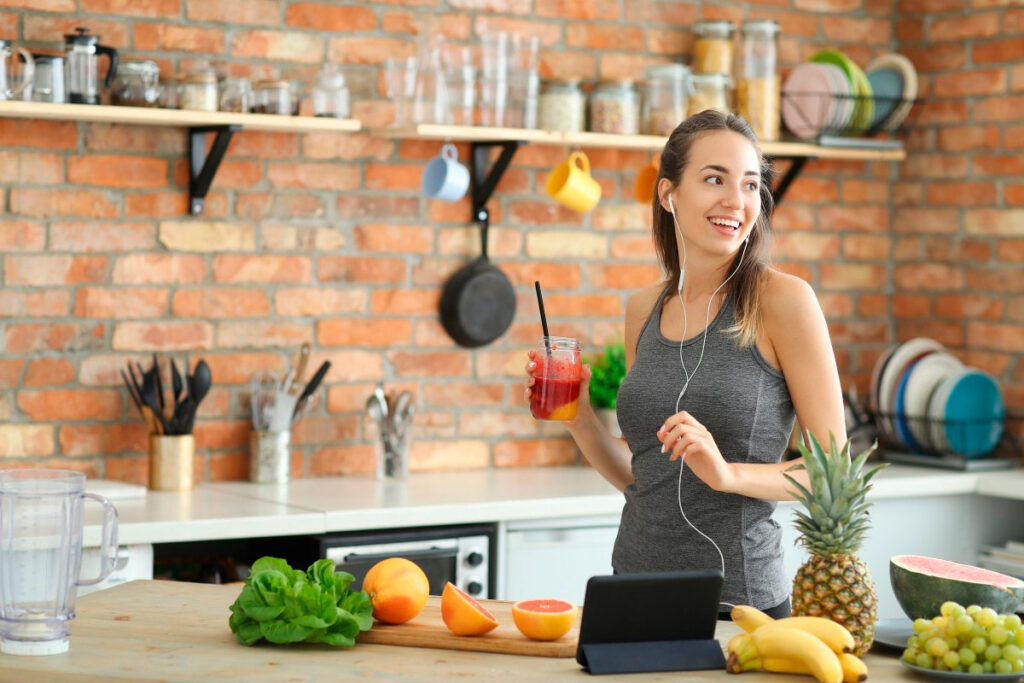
column 657, row 655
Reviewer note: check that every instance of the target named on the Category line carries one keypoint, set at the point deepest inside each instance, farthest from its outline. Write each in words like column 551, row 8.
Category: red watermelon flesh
column 922, row 584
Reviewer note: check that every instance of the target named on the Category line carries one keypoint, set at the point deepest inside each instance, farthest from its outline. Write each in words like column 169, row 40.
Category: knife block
column 171, row 462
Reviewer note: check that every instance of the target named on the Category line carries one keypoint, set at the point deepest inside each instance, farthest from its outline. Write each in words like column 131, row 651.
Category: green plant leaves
column 607, row 372
column 285, row 605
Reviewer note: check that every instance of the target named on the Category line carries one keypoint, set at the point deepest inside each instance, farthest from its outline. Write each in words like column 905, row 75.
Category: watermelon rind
column 921, row 592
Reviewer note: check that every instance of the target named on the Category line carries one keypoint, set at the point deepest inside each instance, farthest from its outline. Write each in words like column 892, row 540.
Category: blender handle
column 27, row 74
column 108, row 540
column 110, row 52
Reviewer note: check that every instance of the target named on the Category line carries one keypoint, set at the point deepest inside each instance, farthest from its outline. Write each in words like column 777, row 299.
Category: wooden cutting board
column 428, row 630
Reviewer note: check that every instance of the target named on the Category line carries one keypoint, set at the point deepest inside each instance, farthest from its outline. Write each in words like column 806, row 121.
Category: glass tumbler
column 556, row 390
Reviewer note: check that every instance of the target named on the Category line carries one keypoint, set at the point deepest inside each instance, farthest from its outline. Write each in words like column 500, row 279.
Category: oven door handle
column 430, row 553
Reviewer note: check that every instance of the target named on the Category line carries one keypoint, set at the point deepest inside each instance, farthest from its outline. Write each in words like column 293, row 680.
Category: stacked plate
column 928, row 401
column 831, row 95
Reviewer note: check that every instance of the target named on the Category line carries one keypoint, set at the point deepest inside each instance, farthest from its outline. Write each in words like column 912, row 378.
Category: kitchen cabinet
column 554, row 558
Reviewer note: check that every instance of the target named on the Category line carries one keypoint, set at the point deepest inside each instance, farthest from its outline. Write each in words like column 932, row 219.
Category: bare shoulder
column 638, row 306
column 787, row 299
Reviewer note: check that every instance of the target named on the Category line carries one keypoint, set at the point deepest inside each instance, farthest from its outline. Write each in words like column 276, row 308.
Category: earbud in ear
column 671, row 207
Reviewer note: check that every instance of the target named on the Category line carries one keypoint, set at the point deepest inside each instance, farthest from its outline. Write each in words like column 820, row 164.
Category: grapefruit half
column 463, row 615
column 544, row 619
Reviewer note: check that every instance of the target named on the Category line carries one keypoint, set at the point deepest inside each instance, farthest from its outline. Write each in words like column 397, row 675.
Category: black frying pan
column 478, row 302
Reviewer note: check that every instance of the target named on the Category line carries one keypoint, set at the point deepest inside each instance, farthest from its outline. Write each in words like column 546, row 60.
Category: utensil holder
column 393, row 457
column 270, row 456
column 172, row 462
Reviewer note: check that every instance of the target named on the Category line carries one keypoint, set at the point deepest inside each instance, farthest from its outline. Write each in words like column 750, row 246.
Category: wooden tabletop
column 162, row 630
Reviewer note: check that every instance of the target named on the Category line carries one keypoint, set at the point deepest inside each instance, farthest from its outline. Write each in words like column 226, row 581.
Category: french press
column 83, row 50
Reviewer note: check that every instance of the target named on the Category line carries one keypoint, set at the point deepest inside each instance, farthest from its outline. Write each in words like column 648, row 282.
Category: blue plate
column 974, row 414
column 887, row 86
column 899, row 407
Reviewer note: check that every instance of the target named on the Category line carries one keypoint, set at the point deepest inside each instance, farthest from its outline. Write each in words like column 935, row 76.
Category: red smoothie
column 556, row 389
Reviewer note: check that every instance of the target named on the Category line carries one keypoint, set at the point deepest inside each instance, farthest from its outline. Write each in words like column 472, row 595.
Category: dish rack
column 852, row 129
column 1007, row 453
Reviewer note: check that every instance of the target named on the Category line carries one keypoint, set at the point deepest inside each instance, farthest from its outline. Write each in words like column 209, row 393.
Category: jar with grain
column 666, row 87
column 563, row 106
column 710, row 91
column 757, row 90
column 199, row 91
column 614, row 108
column 713, row 47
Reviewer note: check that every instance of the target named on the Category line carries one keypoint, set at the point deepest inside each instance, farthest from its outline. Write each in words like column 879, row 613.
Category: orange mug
column 571, row 184
column 646, row 179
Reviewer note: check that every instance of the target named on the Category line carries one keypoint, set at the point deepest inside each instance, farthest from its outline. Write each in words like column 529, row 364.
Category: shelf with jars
column 203, row 160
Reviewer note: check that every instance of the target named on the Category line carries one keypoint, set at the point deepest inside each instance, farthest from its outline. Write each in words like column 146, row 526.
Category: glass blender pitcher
column 41, row 556
column 11, row 85
column 83, row 51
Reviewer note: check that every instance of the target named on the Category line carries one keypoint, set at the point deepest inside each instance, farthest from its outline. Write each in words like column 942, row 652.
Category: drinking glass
column 556, row 390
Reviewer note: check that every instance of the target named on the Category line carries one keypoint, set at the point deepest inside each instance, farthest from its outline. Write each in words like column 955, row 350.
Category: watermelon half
column 922, row 584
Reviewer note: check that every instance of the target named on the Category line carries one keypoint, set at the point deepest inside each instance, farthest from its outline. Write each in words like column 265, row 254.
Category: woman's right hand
column 584, row 399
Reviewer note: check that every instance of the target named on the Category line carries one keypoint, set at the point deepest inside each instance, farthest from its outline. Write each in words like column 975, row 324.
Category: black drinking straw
column 543, row 318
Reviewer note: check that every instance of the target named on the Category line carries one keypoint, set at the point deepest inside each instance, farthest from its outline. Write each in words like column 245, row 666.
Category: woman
column 720, row 357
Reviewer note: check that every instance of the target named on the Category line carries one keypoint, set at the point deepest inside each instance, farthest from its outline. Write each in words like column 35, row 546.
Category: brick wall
column 324, row 237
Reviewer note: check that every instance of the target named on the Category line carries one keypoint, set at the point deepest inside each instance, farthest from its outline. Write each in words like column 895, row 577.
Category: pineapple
column 834, row 582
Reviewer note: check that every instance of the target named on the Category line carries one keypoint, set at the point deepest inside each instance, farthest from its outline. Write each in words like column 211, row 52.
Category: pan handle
column 483, row 239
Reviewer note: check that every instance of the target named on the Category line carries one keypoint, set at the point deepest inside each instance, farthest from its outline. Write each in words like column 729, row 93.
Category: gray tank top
column 745, row 404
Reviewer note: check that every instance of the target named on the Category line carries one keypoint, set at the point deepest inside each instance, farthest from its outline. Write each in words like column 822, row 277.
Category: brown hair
column 745, row 285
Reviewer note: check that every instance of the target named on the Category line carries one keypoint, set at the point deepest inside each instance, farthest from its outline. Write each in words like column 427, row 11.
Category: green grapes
column 973, row 639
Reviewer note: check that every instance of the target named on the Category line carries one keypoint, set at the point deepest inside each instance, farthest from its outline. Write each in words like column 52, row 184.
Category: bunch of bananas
column 795, row 645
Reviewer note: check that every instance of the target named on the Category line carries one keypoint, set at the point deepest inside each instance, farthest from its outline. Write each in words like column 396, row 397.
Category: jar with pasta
column 666, row 87
column 713, row 47
column 709, row 91
column 562, row 106
column 199, row 91
column 614, row 108
column 757, row 90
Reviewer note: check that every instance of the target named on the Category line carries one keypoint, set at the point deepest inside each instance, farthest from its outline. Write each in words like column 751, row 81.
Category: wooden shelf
column 178, row 118
column 654, row 143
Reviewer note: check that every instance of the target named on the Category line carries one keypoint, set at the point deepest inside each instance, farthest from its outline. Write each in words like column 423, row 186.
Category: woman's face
column 718, row 198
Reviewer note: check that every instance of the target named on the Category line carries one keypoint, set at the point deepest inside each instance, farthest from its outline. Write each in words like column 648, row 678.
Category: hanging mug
column 9, row 90
column 646, row 179
column 444, row 178
column 571, row 184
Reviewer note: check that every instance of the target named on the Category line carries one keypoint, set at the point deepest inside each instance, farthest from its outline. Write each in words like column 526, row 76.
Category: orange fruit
column 544, row 619
column 398, row 590
column 565, row 412
column 463, row 615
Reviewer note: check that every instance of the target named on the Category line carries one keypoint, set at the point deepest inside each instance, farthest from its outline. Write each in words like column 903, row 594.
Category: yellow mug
column 646, row 179
column 571, row 184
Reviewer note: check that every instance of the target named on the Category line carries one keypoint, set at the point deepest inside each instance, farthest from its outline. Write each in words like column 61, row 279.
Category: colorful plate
column 901, row 358
column 860, row 89
column 902, row 65
column 807, row 105
column 974, row 414
column 928, row 374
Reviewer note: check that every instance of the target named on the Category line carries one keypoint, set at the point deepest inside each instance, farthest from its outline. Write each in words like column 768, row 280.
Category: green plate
column 863, row 105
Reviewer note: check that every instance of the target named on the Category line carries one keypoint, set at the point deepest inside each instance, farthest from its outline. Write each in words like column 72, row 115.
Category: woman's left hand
column 682, row 436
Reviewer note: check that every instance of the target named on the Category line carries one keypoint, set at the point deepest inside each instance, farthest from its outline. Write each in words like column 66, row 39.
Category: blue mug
column 444, row 178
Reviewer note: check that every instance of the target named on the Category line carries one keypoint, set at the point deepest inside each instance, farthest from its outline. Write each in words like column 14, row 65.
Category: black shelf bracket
column 785, row 181
column 483, row 180
column 202, row 166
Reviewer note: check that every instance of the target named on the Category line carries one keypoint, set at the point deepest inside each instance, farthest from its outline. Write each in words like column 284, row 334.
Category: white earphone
column 700, row 358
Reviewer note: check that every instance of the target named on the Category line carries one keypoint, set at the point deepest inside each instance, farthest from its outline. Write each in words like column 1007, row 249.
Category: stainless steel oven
column 460, row 554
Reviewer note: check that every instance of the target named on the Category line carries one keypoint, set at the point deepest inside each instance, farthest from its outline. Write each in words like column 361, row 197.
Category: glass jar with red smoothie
column 556, row 390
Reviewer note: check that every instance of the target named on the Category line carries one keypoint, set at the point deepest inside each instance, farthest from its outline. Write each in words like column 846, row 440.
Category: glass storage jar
column 330, row 95
column 170, row 91
column 274, row 97
column 562, row 106
column 199, row 91
column 710, row 91
column 236, row 95
column 713, row 47
column 757, row 90
column 614, row 108
column 137, row 84
column 664, row 102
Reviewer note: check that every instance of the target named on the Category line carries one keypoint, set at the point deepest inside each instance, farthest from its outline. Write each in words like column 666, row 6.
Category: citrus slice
column 463, row 615
column 566, row 411
column 544, row 619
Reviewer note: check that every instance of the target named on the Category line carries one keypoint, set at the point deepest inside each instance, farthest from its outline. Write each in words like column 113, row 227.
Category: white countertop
column 218, row 510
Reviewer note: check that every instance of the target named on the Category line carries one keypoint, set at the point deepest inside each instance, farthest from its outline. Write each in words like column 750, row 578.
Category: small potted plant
column 608, row 369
